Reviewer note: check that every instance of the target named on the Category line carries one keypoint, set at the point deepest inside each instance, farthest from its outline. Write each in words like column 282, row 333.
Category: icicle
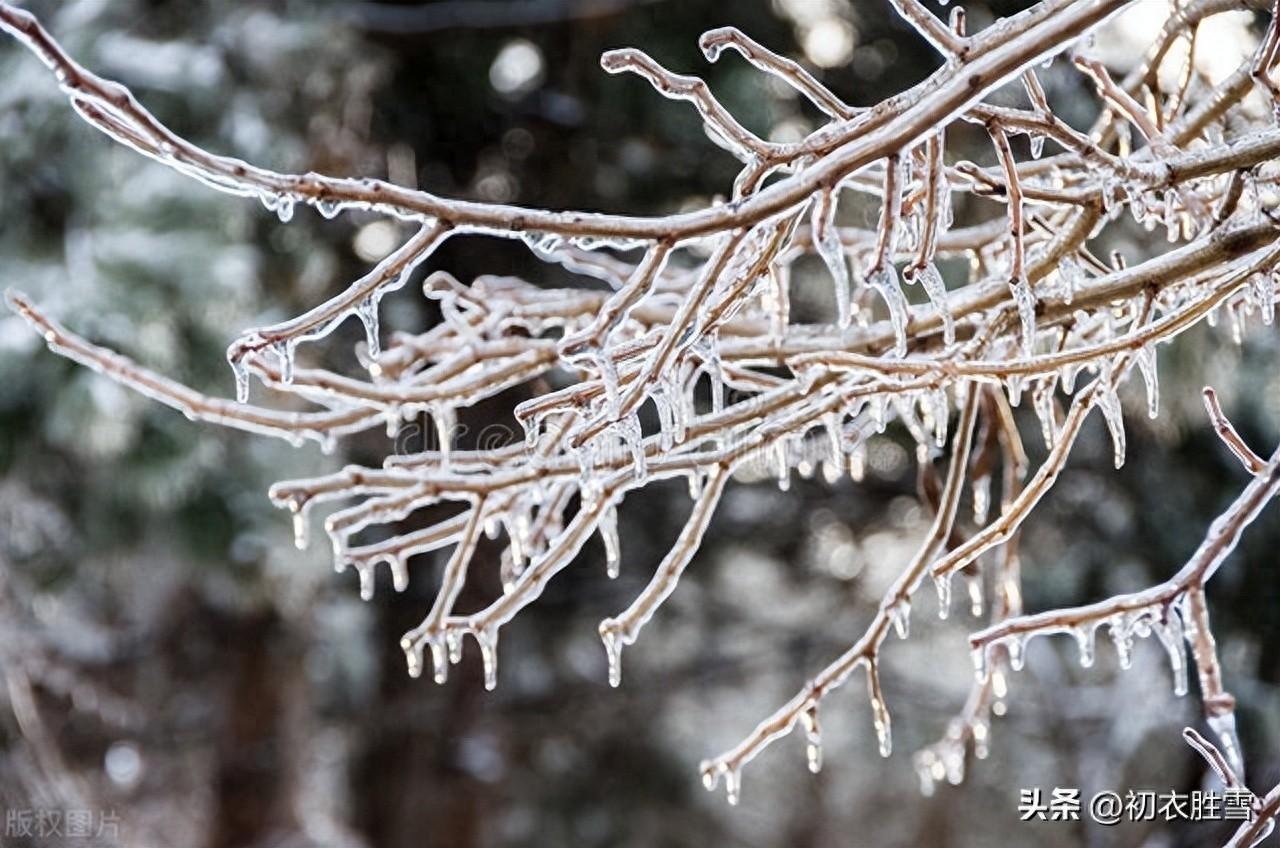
column 976, row 600
column 778, row 306
column 1070, row 276
column 813, row 737
column 439, row 661
column 1026, row 302
column 694, row 479
column 715, row 378
column 680, row 410
column 981, row 733
column 1016, row 648
column 241, row 373
column 979, row 657
column 633, row 437
column 942, row 583
column 1147, row 365
column 1110, row 192
column 1171, row 222
column 588, row 486
column 831, row 423
column 1171, row 637
column 858, row 462
column 365, row 573
column 613, row 651
column 301, row 527
column 1068, row 375
column 884, row 280
column 328, row 208
column 446, row 422
column 284, row 208
column 487, row 639
column 981, row 498
column 284, row 352
column 936, row 289
column 1264, row 288
column 609, row 375
column 532, row 425
column 710, row 776
column 1123, row 640
column 733, row 786
column 392, row 415
column 368, row 314
column 1013, row 387
column 1138, row 205
column 878, row 416
column 900, row 616
column 939, row 411
column 927, row 764
column 1042, row 400
column 833, row 465
column 1237, row 323
column 826, row 239
column 781, row 464
column 1224, row 727
column 413, row 655
column 879, row 712
column 666, row 425
column 608, row 528
column 399, row 572
column 1037, row 145
column 1109, row 403
column 453, row 641
column 1085, row 639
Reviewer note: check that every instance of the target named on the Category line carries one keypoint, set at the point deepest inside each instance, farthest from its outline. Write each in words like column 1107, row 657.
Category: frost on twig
column 693, row 328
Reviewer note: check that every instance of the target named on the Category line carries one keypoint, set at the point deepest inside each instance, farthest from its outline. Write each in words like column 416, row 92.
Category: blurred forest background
column 168, row 655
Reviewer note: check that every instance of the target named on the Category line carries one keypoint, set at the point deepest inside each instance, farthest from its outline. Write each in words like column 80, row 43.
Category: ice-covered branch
column 1174, row 611
column 690, row 325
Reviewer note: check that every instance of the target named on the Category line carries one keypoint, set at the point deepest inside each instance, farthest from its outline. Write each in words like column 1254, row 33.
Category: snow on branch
column 694, row 329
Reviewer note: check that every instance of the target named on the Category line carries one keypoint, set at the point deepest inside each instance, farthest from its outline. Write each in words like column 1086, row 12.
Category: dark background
column 169, row 657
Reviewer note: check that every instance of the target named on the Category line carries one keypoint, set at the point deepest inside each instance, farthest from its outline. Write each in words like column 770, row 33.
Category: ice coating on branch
column 734, row 326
